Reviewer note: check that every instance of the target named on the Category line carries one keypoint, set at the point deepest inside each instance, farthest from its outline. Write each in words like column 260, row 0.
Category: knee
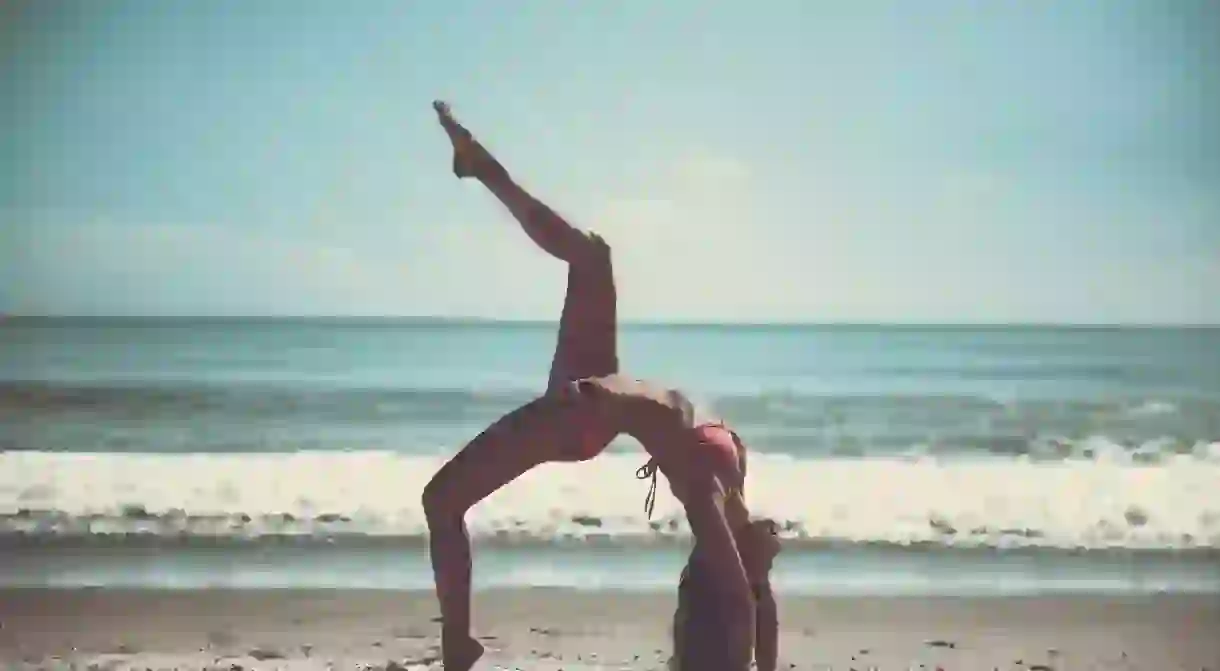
column 437, row 505
column 597, row 247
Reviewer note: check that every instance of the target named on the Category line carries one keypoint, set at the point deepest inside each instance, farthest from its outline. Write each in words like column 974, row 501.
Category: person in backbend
column 700, row 621
column 587, row 403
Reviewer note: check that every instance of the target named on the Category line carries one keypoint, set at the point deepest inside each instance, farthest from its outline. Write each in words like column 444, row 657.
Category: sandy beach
column 113, row 630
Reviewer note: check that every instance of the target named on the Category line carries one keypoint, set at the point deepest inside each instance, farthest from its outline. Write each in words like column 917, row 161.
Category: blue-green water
column 1052, row 440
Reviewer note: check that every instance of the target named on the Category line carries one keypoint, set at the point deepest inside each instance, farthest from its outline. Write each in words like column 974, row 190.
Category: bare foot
column 468, row 155
column 460, row 654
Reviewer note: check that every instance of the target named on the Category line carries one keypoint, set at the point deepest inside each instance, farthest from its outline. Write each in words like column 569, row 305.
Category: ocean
column 898, row 459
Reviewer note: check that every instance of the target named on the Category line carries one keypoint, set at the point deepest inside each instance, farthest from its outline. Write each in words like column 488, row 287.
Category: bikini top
column 649, row 469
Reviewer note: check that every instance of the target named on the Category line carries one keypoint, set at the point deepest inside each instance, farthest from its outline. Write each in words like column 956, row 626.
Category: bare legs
column 535, row 433
column 587, row 344
column 514, row 444
column 471, row 160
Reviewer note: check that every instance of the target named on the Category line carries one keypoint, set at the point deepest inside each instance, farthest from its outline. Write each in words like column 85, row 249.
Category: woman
column 587, row 403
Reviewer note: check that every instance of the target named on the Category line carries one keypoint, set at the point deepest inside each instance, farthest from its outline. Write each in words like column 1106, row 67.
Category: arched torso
column 681, row 439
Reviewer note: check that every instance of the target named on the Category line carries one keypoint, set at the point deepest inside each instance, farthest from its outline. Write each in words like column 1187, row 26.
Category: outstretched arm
column 543, row 225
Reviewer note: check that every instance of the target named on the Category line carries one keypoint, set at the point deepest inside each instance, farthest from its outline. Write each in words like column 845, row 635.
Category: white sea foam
column 1110, row 500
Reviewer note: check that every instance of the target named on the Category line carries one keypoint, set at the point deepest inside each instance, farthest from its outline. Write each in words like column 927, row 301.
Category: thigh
column 587, row 344
column 512, row 445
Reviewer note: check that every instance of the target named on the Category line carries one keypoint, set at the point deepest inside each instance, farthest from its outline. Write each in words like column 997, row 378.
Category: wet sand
column 110, row 629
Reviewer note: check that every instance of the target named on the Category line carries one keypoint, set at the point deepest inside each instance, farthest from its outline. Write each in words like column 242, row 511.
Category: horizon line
column 471, row 320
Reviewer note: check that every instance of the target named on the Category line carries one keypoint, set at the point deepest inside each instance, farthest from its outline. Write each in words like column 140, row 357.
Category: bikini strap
column 649, row 470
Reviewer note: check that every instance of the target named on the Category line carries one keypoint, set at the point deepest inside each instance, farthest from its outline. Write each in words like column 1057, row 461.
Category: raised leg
column 587, row 344
column 513, row 445
column 551, row 232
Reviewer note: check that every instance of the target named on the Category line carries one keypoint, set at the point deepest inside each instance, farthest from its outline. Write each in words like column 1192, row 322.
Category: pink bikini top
column 710, row 435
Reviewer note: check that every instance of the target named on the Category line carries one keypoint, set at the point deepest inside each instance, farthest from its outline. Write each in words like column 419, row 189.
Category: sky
column 787, row 161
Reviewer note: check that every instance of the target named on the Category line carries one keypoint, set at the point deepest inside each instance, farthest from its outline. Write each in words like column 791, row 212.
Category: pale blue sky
column 788, row 160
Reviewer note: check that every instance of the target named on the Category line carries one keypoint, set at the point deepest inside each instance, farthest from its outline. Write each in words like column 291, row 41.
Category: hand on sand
column 466, row 151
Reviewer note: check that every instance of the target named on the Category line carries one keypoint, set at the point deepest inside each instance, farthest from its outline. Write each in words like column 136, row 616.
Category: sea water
column 898, row 459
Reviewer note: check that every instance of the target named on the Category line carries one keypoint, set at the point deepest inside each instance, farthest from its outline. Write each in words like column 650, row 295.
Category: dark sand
column 556, row 629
